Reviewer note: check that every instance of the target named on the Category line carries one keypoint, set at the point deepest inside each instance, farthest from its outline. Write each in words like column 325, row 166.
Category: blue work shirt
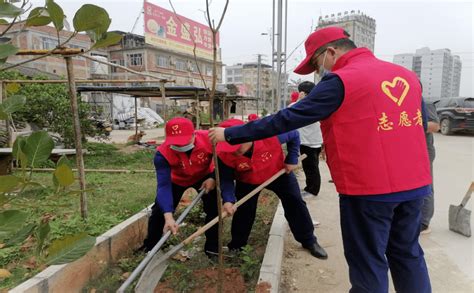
column 325, row 98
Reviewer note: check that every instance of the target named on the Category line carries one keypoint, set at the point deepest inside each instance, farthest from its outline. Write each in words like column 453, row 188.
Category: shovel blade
column 460, row 220
column 152, row 274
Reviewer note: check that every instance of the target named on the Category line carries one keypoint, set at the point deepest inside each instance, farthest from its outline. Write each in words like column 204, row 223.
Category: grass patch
column 114, row 198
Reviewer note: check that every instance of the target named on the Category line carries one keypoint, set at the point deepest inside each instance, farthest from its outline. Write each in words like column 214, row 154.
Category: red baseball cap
column 252, row 117
column 294, row 97
column 224, row 146
column 315, row 41
column 179, row 131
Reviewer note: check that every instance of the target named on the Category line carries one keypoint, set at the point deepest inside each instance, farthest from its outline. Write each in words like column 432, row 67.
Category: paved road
column 450, row 256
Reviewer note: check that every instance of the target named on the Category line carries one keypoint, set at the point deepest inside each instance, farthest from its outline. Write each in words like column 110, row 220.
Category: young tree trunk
column 78, row 134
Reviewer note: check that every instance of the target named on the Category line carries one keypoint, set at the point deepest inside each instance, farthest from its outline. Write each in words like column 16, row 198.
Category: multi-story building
column 134, row 53
column 438, row 70
column 360, row 26
column 45, row 38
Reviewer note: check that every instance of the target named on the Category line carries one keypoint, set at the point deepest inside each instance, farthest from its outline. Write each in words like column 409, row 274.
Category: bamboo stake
column 94, row 170
column 87, row 81
column 58, row 51
column 78, row 135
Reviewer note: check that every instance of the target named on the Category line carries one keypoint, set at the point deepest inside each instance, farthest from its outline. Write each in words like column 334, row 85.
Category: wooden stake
column 78, row 134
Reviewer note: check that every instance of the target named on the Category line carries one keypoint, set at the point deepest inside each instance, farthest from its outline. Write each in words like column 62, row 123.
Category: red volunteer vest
column 267, row 159
column 186, row 171
column 375, row 142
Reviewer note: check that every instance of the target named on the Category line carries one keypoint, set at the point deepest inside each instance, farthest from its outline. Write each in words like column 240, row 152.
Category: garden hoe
column 163, row 260
column 149, row 263
column 460, row 217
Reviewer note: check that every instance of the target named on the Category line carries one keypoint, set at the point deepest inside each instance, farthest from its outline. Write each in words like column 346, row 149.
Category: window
column 194, row 67
column 181, row 65
column 49, row 44
column 162, row 61
column 209, row 70
column 113, row 69
column 229, row 79
column 135, row 59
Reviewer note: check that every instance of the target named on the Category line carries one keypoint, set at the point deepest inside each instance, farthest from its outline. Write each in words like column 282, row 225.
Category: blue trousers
column 382, row 235
column 296, row 213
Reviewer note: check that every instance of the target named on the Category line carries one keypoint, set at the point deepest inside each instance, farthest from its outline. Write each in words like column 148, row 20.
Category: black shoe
column 316, row 250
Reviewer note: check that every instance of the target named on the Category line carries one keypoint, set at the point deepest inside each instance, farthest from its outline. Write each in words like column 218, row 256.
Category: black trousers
column 156, row 222
column 311, row 169
column 296, row 213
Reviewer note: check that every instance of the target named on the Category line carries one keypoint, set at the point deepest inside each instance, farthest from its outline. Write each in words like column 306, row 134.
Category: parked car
column 455, row 114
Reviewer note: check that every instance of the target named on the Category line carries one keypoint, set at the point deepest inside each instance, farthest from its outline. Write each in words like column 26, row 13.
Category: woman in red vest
column 183, row 161
column 251, row 164
column 373, row 120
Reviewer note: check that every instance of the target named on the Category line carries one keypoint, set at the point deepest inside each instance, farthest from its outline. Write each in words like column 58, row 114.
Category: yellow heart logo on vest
column 396, row 90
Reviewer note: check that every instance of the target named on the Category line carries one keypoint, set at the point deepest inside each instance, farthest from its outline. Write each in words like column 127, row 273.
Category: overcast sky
column 402, row 26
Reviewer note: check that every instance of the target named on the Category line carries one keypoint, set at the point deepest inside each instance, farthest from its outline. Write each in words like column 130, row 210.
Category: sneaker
column 304, row 194
column 425, row 230
column 316, row 223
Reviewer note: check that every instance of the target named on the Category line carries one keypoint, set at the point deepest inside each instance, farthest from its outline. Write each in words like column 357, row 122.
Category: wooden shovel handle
column 206, row 227
column 468, row 195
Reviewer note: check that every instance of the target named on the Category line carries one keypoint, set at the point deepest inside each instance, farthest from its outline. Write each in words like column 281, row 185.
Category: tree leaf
column 13, row 104
column 108, row 40
column 69, row 248
column 56, row 13
column 9, row 10
column 64, row 161
column 3, row 21
column 38, row 148
column 41, row 235
column 21, row 235
column 64, row 175
column 38, row 17
column 18, row 146
column 7, row 50
column 3, row 114
column 11, row 221
column 8, row 183
column 5, row 274
column 91, row 18
column 13, row 88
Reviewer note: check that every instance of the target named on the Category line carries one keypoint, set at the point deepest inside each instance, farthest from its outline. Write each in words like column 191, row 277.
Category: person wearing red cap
column 183, row 161
column 252, row 163
column 373, row 121
column 252, row 117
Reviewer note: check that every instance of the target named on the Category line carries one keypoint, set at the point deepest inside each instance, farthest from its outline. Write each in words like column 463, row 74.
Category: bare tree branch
column 223, row 14
column 125, row 68
column 13, row 21
column 39, row 57
column 194, row 47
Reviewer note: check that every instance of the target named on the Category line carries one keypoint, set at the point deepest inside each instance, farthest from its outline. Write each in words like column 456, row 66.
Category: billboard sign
column 165, row 29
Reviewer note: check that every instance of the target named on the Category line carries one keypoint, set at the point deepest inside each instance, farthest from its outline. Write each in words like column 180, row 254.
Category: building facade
column 439, row 71
column 361, row 27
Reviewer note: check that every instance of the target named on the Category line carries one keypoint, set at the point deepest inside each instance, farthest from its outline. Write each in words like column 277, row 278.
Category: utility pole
column 281, row 52
column 259, row 85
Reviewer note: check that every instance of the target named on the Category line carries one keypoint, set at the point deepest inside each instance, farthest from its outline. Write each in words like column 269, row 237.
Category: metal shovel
column 149, row 262
column 460, row 217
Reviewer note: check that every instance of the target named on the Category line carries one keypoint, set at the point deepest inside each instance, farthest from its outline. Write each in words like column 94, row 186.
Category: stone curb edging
column 72, row 277
column 270, row 270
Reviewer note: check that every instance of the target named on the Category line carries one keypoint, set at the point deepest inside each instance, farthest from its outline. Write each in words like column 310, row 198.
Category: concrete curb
column 72, row 277
column 270, row 271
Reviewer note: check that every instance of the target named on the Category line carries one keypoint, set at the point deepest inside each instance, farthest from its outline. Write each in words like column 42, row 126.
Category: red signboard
column 163, row 28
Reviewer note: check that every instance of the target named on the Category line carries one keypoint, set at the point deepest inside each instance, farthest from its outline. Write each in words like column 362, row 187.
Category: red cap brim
column 225, row 147
column 179, row 139
column 305, row 66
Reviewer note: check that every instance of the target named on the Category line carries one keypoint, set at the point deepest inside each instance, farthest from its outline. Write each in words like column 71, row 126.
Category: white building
column 438, row 70
column 360, row 26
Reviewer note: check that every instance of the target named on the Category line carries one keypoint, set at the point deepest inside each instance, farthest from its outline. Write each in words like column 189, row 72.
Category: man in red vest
column 251, row 164
column 183, row 161
column 371, row 115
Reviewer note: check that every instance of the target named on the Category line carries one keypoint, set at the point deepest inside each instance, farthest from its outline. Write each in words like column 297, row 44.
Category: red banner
column 163, row 28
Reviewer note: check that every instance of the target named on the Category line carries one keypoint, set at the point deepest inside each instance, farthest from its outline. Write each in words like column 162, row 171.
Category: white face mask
column 182, row 149
column 322, row 70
